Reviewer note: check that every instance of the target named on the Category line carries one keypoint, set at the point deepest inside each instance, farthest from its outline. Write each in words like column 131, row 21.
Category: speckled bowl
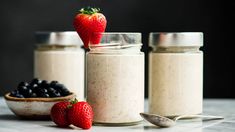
column 33, row 108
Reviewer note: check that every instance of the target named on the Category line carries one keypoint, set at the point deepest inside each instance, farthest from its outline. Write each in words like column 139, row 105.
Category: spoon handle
column 198, row 116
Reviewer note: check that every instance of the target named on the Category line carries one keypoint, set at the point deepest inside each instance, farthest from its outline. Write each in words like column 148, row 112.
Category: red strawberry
column 59, row 114
column 80, row 114
column 89, row 23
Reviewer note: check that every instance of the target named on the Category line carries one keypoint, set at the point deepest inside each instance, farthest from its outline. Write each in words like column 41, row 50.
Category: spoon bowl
column 162, row 121
column 158, row 120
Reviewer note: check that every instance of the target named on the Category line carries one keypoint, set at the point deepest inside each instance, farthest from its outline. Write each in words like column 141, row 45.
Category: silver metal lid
column 175, row 39
column 66, row 38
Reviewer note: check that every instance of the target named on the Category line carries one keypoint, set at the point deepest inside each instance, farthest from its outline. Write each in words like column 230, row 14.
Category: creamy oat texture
column 67, row 67
column 175, row 86
column 115, row 87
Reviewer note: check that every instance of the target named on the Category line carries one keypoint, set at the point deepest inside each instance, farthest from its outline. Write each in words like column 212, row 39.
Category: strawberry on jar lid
column 88, row 23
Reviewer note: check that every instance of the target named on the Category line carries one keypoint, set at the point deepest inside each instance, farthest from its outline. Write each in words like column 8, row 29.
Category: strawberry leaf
column 73, row 101
column 89, row 10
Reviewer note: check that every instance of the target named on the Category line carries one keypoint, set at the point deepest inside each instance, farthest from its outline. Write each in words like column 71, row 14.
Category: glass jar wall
column 59, row 56
column 115, row 79
column 175, row 73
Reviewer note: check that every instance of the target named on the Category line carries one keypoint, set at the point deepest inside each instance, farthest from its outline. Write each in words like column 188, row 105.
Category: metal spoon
column 162, row 121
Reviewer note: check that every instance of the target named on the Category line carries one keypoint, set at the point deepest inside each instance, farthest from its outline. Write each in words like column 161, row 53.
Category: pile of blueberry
column 40, row 88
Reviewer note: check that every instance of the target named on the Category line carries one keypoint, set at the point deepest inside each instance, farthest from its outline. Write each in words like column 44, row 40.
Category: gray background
column 19, row 19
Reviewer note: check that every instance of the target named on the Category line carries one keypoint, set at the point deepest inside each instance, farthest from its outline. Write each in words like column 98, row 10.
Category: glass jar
column 175, row 73
column 59, row 56
column 115, row 79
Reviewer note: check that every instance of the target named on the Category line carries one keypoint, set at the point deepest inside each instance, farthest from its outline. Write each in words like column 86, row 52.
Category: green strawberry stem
column 89, row 10
column 72, row 102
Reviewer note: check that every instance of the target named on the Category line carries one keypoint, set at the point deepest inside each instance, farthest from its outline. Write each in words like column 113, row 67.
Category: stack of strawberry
column 89, row 24
column 75, row 113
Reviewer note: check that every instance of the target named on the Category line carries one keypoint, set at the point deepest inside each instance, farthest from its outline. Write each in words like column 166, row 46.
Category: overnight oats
column 59, row 56
column 115, row 79
column 175, row 73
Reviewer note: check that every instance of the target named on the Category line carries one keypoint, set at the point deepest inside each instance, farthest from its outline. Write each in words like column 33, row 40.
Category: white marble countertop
column 222, row 107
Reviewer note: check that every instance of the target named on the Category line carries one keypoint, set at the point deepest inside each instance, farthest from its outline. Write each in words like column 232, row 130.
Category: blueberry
column 34, row 87
column 35, row 81
column 60, row 87
column 22, row 84
column 53, row 83
column 55, row 94
column 41, row 91
column 22, row 89
column 51, row 90
column 19, row 95
column 44, row 84
column 33, row 95
column 45, row 95
column 37, row 91
column 14, row 93
column 65, row 93
column 27, row 93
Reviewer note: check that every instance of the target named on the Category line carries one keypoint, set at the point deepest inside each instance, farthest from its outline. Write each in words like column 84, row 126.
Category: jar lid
column 67, row 38
column 175, row 39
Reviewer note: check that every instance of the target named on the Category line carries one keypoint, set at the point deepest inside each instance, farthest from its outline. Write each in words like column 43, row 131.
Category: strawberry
column 80, row 114
column 89, row 24
column 59, row 114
